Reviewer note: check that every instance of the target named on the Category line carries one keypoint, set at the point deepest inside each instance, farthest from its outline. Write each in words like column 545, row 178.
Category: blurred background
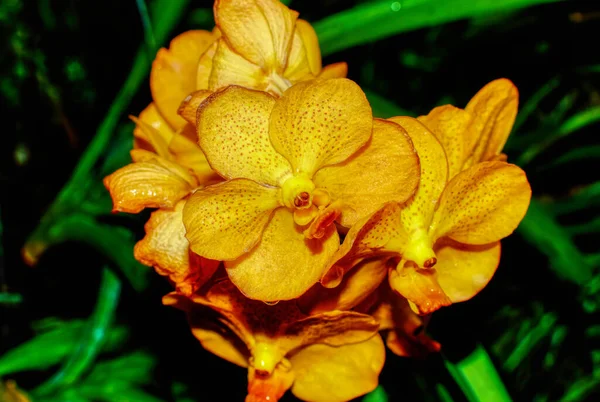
column 81, row 320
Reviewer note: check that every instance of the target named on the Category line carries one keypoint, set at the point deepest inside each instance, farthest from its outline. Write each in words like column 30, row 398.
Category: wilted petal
column 173, row 74
column 226, row 220
column 214, row 335
column 483, row 204
column 450, row 125
column 385, row 169
column 494, row 109
column 284, row 264
column 167, row 250
column 154, row 183
column 320, row 122
column 337, row 374
column 259, row 30
column 463, row 271
column 334, row 328
column 233, row 127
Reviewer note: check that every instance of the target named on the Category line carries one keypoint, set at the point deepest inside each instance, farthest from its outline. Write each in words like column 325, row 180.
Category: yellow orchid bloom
column 478, row 132
column 167, row 166
column 331, row 356
column 294, row 166
column 446, row 237
column 263, row 46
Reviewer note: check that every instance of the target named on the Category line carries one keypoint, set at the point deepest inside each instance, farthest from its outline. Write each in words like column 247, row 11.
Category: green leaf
column 384, row 108
column 114, row 242
column 147, row 24
column 569, row 126
column 92, row 338
column 166, row 14
column 541, row 230
column 118, row 379
column 590, row 227
column 530, row 341
column 586, row 197
column 378, row 395
column 377, row 20
column 533, row 103
column 574, row 155
column 50, row 348
column 477, row 377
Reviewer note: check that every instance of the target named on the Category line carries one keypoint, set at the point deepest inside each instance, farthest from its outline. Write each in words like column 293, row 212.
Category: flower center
column 277, row 85
column 265, row 357
column 297, row 192
column 418, row 250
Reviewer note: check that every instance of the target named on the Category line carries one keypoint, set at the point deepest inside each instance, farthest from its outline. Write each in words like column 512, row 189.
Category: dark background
column 63, row 63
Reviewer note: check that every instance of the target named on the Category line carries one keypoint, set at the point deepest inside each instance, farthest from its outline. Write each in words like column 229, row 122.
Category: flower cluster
column 282, row 205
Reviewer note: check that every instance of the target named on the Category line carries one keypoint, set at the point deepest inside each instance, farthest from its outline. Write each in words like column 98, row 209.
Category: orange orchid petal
column 320, row 122
column 337, row 374
column 494, row 109
column 419, row 287
column 309, row 53
column 284, row 265
column 298, row 67
column 173, row 74
column 463, row 271
column 367, row 238
column 356, row 286
column 205, row 65
column 188, row 153
column 167, row 250
column 335, row 70
column 311, row 44
column 233, row 127
column 483, row 204
column 259, row 30
column 323, row 220
column 155, row 183
column 229, row 68
column 188, row 109
column 268, row 387
column 450, row 125
column 385, row 169
column 154, row 137
column 434, row 174
column 225, row 220
column 152, row 117
column 221, row 343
